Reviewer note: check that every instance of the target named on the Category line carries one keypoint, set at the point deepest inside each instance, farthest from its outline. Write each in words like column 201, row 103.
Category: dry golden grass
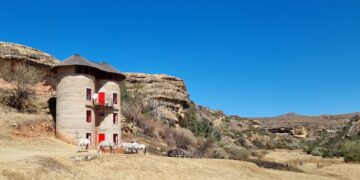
column 325, row 167
column 48, row 158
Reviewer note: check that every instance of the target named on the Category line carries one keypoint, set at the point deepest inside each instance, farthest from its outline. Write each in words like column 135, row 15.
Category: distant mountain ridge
column 291, row 114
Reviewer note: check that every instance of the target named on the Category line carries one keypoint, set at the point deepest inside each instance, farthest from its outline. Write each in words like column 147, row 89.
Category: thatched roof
column 77, row 60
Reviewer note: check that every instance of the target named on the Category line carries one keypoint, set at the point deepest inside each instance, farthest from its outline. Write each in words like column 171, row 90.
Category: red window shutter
column 101, row 137
column 102, row 98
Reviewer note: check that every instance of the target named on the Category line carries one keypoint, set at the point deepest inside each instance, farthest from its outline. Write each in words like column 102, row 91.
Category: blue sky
column 250, row 58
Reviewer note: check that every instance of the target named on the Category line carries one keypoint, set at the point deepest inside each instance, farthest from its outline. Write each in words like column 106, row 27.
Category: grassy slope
column 49, row 158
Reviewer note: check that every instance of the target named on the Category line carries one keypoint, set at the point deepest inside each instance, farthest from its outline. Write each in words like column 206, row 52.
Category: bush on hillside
column 286, row 144
column 131, row 109
column 183, row 138
column 331, row 153
column 351, row 151
column 260, row 144
column 236, row 152
column 352, row 157
column 22, row 78
column 258, row 154
column 317, row 151
column 151, row 128
column 200, row 127
column 218, row 153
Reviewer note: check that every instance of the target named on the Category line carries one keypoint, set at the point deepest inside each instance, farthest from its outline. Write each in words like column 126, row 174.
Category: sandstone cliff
column 17, row 52
column 166, row 96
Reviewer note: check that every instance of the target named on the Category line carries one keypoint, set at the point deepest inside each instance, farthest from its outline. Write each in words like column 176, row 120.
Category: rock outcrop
column 299, row 132
column 17, row 52
column 165, row 96
column 354, row 129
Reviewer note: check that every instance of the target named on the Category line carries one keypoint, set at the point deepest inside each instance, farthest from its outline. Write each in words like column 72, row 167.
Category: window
column 88, row 136
column 116, row 139
column 88, row 116
column 88, row 94
column 115, row 118
column 115, row 98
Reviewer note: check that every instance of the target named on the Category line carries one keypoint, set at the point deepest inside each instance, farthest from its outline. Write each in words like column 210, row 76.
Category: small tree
column 22, row 78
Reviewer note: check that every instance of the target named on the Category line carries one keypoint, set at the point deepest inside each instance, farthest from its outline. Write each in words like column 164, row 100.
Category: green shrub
column 330, row 153
column 282, row 144
column 236, row 152
column 258, row 154
column 352, row 157
column 351, row 151
column 270, row 145
column 218, row 153
column 260, row 144
column 317, row 151
column 200, row 127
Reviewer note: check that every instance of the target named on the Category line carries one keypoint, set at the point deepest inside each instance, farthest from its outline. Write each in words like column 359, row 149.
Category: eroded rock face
column 17, row 52
column 354, row 129
column 300, row 132
column 165, row 96
column 214, row 116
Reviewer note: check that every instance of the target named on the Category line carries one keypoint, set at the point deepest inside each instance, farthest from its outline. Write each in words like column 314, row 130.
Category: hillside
column 48, row 158
column 38, row 155
column 157, row 111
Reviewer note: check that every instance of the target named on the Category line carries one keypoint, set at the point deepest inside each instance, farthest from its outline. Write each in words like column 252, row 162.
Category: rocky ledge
column 11, row 51
column 166, row 96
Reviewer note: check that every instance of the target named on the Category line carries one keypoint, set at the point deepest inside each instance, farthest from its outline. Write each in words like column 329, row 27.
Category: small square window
column 115, row 98
column 88, row 116
column 115, row 118
column 88, row 94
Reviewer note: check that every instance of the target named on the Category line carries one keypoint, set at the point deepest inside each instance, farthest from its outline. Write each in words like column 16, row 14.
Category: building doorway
column 116, row 139
column 101, row 98
column 88, row 136
column 101, row 137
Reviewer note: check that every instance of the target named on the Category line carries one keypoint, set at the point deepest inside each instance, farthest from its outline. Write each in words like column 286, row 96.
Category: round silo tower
column 78, row 115
column 109, row 116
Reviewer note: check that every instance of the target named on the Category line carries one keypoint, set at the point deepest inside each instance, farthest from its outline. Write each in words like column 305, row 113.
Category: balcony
column 101, row 101
column 106, row 105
